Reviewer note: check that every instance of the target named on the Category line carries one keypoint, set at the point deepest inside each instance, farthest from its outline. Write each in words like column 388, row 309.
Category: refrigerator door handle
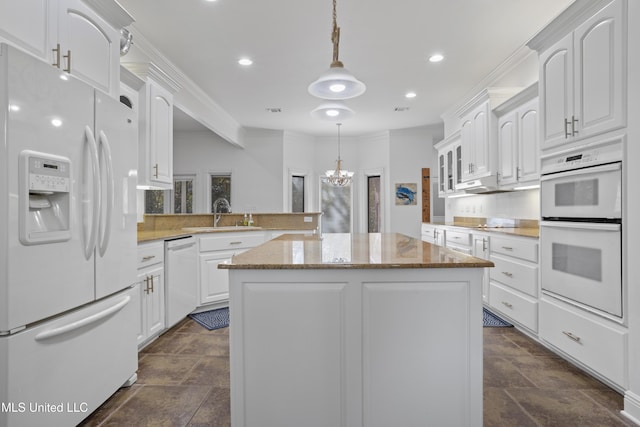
column 90, row 242
column 105, row 223
column 72, row 326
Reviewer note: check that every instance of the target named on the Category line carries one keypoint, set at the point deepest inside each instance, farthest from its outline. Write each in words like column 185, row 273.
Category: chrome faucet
column 216, row 215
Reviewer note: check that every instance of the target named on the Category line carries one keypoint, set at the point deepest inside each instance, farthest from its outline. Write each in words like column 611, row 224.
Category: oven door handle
column 583, row 171
column 581, row 225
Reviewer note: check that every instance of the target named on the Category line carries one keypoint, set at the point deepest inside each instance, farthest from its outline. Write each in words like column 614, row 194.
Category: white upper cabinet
column 26, row 24
column 582, row 84
column 518, row 140
column 475, row 140
column 449, row 160
column 155, row 114
column 70, row 35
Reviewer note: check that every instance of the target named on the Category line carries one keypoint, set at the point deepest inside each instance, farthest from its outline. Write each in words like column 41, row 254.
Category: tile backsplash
column 515, row 204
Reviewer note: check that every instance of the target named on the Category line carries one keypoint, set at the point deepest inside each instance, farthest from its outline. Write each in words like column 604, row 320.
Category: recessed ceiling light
column 436, row 58
column 410, row 95
column 245, row 61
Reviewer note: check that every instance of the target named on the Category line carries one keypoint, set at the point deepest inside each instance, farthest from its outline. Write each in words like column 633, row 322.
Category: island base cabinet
column 365, row 347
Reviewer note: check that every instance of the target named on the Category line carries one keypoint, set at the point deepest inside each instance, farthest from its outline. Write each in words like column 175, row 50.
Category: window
column 155, row 201
column 220, row 188
column 297, row 193
column 373, row 203
column 335, row 203
column 183, row 194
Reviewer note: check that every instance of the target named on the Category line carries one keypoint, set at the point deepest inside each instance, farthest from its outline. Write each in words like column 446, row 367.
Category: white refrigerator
column 68, row 308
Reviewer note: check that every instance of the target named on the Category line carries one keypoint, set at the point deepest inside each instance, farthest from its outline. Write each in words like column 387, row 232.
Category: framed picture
column 406, row 194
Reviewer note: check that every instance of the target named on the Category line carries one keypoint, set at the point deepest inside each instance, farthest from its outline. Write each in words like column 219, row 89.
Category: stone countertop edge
column 148, row 236
column 395, row 251
column 514, row 231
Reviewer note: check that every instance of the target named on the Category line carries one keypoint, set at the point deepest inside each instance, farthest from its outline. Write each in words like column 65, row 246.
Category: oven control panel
column 581, row 158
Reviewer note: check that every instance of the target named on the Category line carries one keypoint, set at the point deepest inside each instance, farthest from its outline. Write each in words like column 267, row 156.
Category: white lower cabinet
column 513, row 282
column 151, row 281
column 481, row 250
column 214, row 249
column 595, row 342
column 432, row 234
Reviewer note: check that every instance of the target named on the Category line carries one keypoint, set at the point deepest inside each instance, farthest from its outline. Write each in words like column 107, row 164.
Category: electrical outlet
column 308, row 219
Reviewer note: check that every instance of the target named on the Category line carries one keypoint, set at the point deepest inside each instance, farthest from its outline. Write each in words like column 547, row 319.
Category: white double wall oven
column 581, row 230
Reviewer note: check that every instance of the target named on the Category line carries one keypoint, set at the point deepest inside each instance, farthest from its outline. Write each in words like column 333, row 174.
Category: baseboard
column 632, row 407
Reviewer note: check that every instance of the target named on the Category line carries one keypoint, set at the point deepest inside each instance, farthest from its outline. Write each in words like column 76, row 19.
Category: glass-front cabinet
column 449, row 161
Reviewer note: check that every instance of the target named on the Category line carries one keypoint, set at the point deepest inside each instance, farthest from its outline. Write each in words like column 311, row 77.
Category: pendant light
column 332, row 111
column 337, row 82
column 339, row 177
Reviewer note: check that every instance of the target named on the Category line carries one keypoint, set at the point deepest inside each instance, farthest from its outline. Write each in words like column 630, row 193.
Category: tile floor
column 183, row 380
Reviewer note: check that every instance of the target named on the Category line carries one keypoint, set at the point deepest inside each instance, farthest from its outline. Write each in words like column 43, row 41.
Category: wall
column 410, row 151
column 261, row 170
column 256, row 170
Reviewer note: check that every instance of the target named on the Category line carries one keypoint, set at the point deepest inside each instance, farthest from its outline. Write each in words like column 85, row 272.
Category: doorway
column 336, row 207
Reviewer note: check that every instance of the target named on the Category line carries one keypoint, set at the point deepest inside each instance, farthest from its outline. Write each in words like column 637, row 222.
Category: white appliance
column 581, row 231
column 180, row 279
column 68, row 155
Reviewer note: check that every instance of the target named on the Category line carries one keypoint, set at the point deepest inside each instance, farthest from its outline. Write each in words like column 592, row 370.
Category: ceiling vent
column 401, row 109
column 274, row 110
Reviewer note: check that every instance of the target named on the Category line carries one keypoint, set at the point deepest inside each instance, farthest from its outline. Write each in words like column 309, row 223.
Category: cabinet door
column 458, row 163
column 467, row 143
column 528, row 142
column 481, row 160
column 508, row 148
column 90, row 47
column 450, row 171
column 599, row 73
column 161, row 135
column 142, row 315
column 25, row 23
column 155, row 302
column 443, row 176
column 556, row 95
column 214, row 282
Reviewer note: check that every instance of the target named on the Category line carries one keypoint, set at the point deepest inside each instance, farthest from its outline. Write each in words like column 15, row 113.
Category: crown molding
column 112, row 12
column 565, row 22
column 518, row 99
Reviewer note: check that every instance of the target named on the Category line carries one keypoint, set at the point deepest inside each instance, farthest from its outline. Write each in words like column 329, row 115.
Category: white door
column 116, row 134
column 47, row 115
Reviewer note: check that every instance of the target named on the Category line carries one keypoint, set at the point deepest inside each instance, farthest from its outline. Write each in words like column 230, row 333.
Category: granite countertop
column 523, row 228
column 351, row 251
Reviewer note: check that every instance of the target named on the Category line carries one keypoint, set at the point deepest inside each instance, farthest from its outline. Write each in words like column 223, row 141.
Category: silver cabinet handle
column 68, row 58
column 146, row 285
column 571, row 336
column 573, row 125
column 147, row 258
column 57, row 56
column 235, row 243
column 506, row 304
column 567, row 134
column 484, row 244
column 506, row 273
column 507, row 248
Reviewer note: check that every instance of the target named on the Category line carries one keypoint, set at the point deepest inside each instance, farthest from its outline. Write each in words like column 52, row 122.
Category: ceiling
column 385, row 45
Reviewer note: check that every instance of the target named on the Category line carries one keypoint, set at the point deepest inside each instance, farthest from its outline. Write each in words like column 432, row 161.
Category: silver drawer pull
column 507, row 248
column 235, row 243
column 506, row 304
column 571, row 336
column 506, row 273
column 148, row 257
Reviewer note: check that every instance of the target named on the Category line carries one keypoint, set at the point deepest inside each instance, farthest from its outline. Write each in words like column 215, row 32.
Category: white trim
column 631, row 406
column 363, row 198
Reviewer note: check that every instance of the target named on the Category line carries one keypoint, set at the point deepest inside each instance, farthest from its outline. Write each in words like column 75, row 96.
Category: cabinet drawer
column 521, row 308
column 525, row 249
column 516, row 275
column 150, row 254
column 458, row 238
column 597, row 343
column 226, row 241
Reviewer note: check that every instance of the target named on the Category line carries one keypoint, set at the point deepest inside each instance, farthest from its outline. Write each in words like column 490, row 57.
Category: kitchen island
column 355, row 330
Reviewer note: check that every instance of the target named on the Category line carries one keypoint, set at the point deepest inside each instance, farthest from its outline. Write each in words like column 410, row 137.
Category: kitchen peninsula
column 355, row 330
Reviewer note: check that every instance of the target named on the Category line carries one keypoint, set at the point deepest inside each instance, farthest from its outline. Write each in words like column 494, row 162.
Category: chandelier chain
column 335, row 38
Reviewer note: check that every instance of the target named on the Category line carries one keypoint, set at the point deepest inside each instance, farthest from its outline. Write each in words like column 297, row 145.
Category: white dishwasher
column 181, row 292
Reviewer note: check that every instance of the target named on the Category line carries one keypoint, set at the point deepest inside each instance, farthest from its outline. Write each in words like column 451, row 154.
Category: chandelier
column 337, row 82
column 339, row 177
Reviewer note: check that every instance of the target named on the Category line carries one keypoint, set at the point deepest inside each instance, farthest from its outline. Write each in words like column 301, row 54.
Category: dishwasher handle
column 180, row 243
